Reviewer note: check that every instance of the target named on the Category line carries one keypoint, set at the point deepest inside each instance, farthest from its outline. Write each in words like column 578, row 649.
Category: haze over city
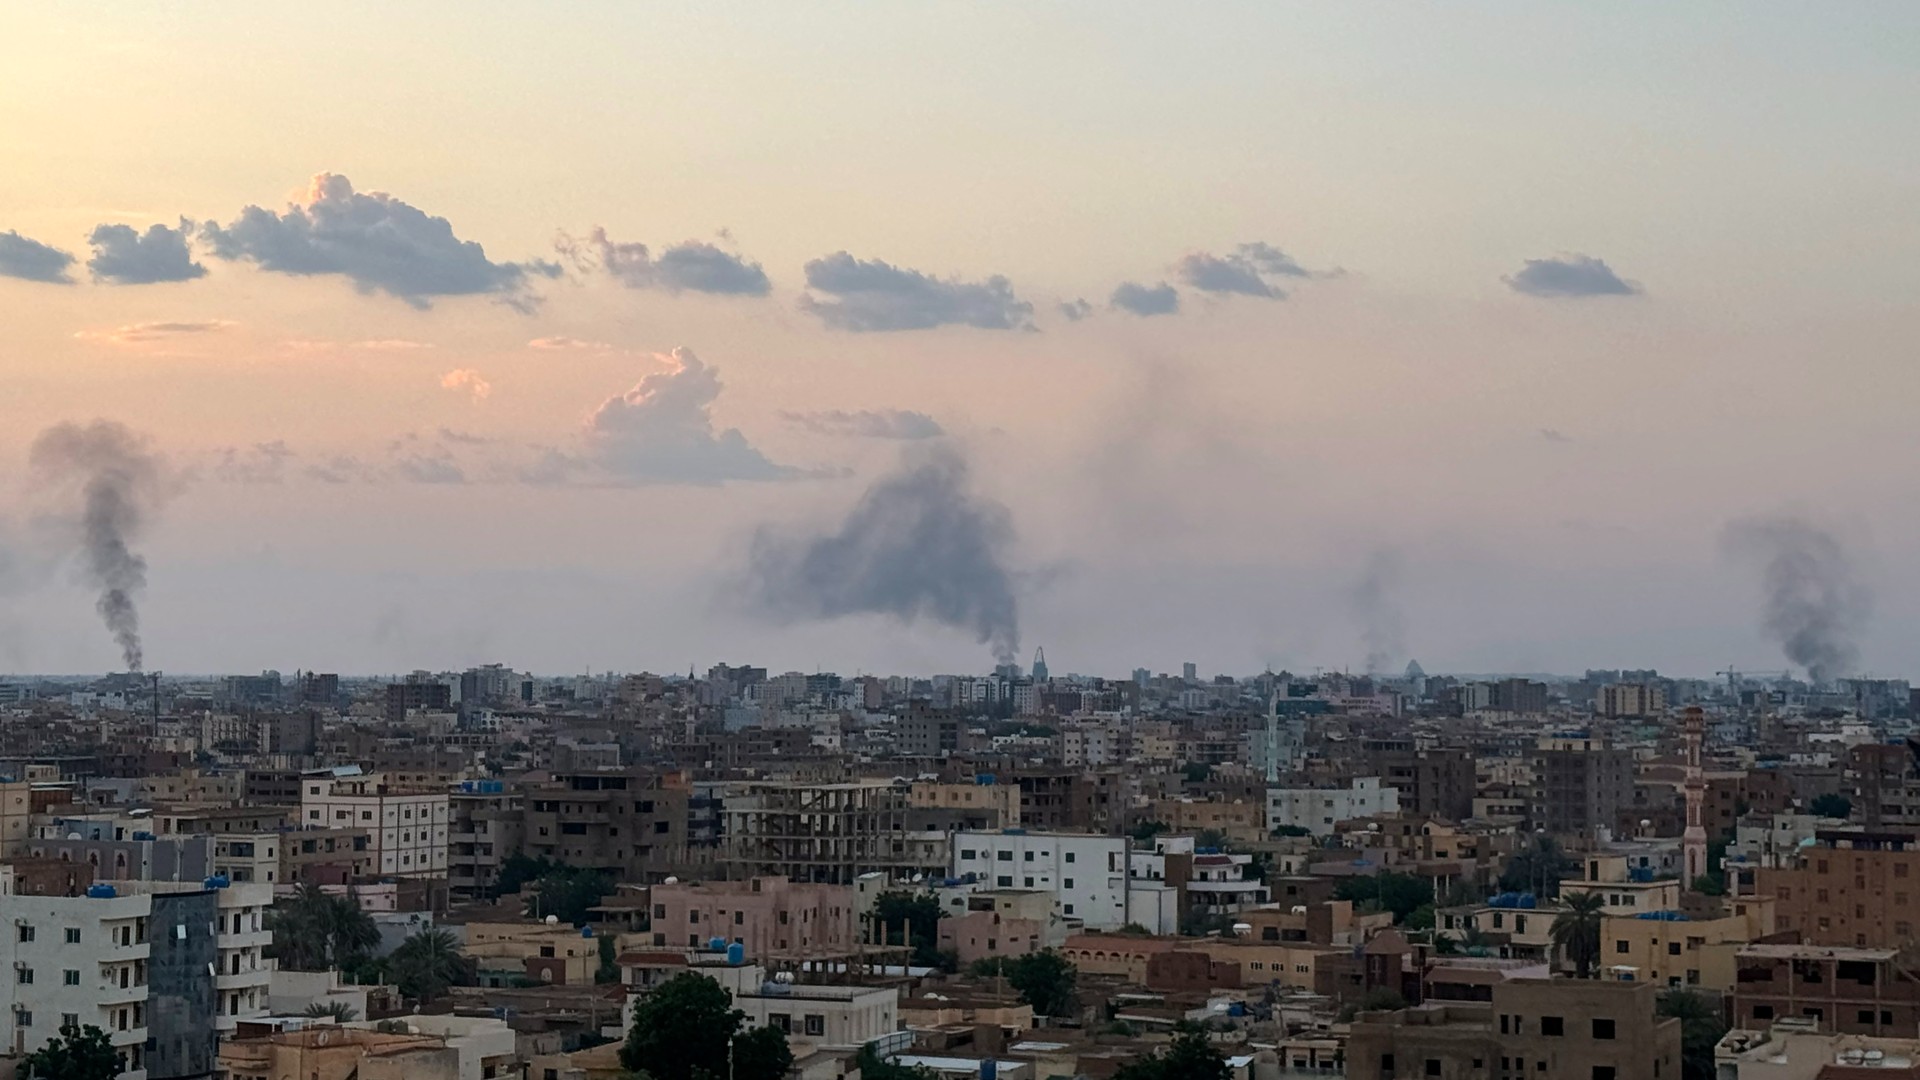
column 1507, row 337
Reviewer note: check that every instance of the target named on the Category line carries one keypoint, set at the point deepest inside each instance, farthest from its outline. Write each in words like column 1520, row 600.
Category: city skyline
column 1263, row 335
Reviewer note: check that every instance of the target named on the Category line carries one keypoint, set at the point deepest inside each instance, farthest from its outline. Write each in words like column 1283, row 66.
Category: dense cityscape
column 493, row 873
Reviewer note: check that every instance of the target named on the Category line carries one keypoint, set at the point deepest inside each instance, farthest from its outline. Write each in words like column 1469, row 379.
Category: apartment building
column 827, row 833
column 989, row 805
column 1631, row 700
column 1666, row 950
column 1086, row 874
column 1568, row 1029
column 163, row 970
column 1237, row 820
column 1839, row 989
column 630, row 821
column 1318, row 810
column 407, row 827
column 772, row 917
column 251, row 857
column 1849, row 888
column 488, row 824
column 1579, row 785
column 1431, row 782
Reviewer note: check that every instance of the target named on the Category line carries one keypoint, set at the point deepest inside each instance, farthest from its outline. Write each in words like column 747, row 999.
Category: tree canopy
column 1576, row 931
column 567, row 893
column 1045, row 981
column 1402, row 894
column 685, row 1029
column 909, row 918
column 1189, row 1057
column 74, row 1054
column 1701, row 1028
column 313, row 931
column 428, row 963
column 1832, row 805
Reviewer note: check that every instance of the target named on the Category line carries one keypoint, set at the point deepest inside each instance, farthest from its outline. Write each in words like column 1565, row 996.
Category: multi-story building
column 830, row 833
column 1834, row 988
column 162, row 969
column 488, row 824
column 407, row 826
column 1579, row 785
column 1849, row 888
column 773, row 918
column 1086, row 874
column 1560, row 1028
column 1631, row 700
column 1433, row 782
column 1318, row 810
column 630, row 821
column 1655, row 947
column 250, row 857
column 985, row 805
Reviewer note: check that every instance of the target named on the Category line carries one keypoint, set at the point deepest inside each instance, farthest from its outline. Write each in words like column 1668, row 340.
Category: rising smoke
column 919, row 544
column 1375, row 598
column 1813, row 603
column 109, row 482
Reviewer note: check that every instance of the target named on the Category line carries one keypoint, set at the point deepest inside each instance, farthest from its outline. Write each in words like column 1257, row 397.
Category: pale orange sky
column 1552, row 473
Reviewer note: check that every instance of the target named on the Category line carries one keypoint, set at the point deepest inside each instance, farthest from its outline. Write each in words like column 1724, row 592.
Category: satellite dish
column 553, row 920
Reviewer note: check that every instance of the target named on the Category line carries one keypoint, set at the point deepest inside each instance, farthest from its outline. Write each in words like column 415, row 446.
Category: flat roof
column 1817, row 952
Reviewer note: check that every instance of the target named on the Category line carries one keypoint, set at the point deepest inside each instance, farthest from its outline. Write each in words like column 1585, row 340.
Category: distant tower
column 1693, row 842
column 1039, row 665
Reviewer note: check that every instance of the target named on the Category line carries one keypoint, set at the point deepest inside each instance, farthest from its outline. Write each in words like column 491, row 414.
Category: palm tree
column 1700, row 1030
column 338, row 1011
column 428, row 963
column 313, row 931
column 1576, row 931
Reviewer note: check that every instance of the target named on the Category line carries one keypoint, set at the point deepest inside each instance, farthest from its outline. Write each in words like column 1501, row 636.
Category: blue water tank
column 989, row 1068
column 1527, row 901
column 1236, row 1008
column 716, row 944
column 586, row 931
column 984, row 779
column 102, row 891
column 217, row 881
column 736, row 954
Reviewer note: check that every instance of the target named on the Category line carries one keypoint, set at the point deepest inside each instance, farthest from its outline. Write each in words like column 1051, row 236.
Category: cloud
column 32, row 260
column 154, row 331
column 466, row 438
column 554, row 344
column 376, row 241
column 1075, row 309
column 1567, row 276
column 1244, row 272
column 468, row 380
column 875, row 296
column 661, row 431
column 868, row 423
column 690, row 266
column 122, row 256
column 1141, row 299
column 261, row 463
column 390, row 345
column 434, row 465
column 1555, row 435
column 342, row 469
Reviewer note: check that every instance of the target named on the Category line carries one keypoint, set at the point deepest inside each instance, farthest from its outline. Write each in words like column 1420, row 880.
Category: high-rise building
column 1579, row 785
column 1039, row 665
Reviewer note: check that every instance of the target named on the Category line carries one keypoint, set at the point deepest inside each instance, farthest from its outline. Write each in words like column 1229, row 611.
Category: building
column 1565, row 1029
column 423, row 1048
column 1667, row 948
column 1433, row 782
column 772, row 917
column 162, row 969
column 1839, row 989
column 830, row 833
column 1786, row 1052
column 1087, row 875
column 1849, row 888
column 1580, row 784
column 1318, row 810
column 487, row 825
column 1519, row 696
column 1633, row 701
column 407, row 826
column 630, row 821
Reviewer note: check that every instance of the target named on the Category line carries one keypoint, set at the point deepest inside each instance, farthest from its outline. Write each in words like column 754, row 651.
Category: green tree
column 74, row 1054
column 609, row 970
column 1197, row 772
column 687, row 1028
column 1388, row 890
column 909, row 918
column 1210, row 838
column 1832, row 805
column 567, row 894
column 338, row 1011
column 428, row 963
column 1701, row 1028
column 1144, row 832
column 313, row 931
column 1576, row 931
column 873, row 1067
column 1189, row 1057
column 1292, row 830
column 1537, row 868
column 519, row 868
column 1045, row 981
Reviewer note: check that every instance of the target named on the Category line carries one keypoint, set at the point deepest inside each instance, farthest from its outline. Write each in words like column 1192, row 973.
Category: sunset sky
column 1286, row 334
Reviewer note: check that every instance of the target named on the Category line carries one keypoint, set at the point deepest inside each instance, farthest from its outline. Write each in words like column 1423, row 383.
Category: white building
column 407, row 827
column 1317, row 810
column 1087, row 875
column 162, row 968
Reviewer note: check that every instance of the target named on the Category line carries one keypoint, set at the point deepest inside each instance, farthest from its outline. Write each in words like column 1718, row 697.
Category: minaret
column 1273, row 739
column 1693, row 842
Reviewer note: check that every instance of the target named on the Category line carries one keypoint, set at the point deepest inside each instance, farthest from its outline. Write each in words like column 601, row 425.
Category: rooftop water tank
column 716, row 944
column 102, row 891
column 736, row 954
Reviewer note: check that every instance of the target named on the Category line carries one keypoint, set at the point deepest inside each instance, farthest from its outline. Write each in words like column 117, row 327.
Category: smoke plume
column 919, row 544
column 1813, row 603
column 110, row 481
column 1376, row 604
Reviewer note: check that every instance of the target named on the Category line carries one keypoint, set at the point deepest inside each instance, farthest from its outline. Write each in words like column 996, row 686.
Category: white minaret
column 1693, row 842
column 1273, row 739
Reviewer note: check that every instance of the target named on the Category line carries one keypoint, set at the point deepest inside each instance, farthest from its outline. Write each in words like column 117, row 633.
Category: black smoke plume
column 1375, row 597
column 1813, row 603
column 919, row 544
column 111, row 482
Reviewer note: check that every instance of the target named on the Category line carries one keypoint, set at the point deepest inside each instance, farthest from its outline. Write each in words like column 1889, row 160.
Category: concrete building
column 1831, row 989
column 1087, row 875
column 1668, row 950
column 830, row 833
column 1848, row 888
column 1579, row 785
column 1635, row 701
column 1786, row 1052
column 630, row 821
column 1561, row 1028
column 1432, row 782
column 407, row 827
column 487, row 825
column 1318, row 810
column 772, row 917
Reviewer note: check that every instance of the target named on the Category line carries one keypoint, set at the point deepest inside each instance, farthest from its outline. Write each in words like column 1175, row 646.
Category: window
column 1621, row 946
column 1004, row 881
column 1886, row 1016
column 781, row 1021
column 1553, row 1025
column 1026, row 856
column 1066, row 883
column 1602, row 1028
column 1603, row 1072
column 69, row 1020
column 1433, row 1067
column 23, row 975
column 1503, row 1024
column 70, row 977
column 23, row 1017
column 73, row 935
column 816, row 1024
column 966, row 854
column 1763, row 1012
column 26, row 932
column 1865, row 1016
column 1069, row 856
column 1673, row 948
column 1003, row 856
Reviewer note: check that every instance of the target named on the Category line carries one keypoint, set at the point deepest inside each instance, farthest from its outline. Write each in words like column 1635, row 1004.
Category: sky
column 898, row 337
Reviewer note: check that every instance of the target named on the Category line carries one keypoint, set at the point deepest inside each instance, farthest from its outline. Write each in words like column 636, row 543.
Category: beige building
column 1691, row 952
column 772, row 917
column 431, row 1048
column 407, row 827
